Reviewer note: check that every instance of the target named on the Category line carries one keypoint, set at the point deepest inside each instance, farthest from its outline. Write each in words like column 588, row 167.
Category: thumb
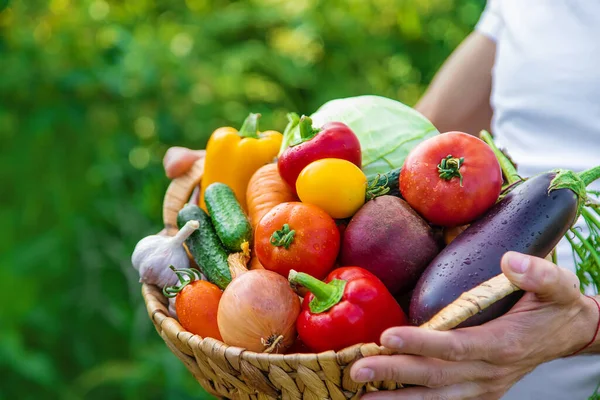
column 547, row 280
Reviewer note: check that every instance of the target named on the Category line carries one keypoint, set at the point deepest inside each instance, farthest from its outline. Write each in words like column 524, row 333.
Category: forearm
column 458, row 98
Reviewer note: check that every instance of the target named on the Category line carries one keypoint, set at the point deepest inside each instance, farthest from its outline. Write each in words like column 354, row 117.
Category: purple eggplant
column 531, row 218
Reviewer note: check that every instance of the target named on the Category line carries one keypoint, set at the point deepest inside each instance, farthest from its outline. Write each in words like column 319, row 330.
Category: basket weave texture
column 234, row 373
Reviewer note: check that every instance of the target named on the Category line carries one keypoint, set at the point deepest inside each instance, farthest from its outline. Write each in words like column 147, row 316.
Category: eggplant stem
column 510, row 172
column 590, row 175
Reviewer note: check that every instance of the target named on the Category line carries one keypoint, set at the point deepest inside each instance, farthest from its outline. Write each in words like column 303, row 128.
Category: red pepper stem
column 306, row 129
column 249, row 128
column 307, row 132
column 326, row 295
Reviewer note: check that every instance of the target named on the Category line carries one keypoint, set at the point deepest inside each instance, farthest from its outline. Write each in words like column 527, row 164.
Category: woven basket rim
column 156, row 305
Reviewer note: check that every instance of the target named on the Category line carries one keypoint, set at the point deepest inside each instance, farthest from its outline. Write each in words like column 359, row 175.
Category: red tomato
column 196, row 306
column 297, row 236
column 451, row 179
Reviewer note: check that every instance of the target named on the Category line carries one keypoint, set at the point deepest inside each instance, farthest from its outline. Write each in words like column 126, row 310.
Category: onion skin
column 257, row 308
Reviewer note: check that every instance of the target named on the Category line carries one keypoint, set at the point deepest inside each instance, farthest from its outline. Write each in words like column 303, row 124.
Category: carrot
column 265, row 190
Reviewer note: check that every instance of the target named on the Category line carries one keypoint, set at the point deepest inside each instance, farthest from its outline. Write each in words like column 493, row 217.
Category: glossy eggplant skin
column 528, row 220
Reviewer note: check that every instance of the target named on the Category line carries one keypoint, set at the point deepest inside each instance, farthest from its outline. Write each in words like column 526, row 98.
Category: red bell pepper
column 333, row 140
column 353, row 307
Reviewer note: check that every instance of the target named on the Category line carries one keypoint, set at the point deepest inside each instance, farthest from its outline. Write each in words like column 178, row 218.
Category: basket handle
column 178, row 193
column 467, row 305
column 470, row 303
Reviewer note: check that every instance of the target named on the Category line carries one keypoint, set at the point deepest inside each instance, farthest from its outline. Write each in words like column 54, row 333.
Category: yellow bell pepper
column 232, row 157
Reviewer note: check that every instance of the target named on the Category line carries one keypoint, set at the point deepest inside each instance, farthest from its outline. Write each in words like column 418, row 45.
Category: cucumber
column 228, row 218
column 204, row 245
column 389, row 180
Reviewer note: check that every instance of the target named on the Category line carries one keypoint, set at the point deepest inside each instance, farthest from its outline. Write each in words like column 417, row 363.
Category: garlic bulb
column 172, row 310
column 154, row 254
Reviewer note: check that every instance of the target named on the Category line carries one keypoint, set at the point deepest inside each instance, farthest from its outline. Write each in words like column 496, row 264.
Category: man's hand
column 552, row 320
column 178, row 160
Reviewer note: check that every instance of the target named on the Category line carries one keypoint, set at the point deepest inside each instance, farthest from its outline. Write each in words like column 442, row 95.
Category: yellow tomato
column 334, row 185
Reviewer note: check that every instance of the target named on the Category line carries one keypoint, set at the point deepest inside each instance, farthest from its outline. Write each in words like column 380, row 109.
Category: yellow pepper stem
column 249, row 128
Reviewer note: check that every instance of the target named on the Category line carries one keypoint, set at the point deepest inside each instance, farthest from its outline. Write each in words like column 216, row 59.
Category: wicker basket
column 233, row 373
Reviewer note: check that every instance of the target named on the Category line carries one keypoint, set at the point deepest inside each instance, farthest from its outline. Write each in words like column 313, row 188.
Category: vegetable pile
column 358, row 218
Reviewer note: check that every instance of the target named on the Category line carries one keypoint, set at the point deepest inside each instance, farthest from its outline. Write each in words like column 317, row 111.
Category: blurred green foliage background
column 93, row 92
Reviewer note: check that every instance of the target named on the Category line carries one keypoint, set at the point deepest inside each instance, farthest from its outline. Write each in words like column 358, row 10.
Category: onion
column 258, row 312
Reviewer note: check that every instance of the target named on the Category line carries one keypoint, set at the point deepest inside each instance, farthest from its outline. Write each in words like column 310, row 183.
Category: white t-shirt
column 546, row 101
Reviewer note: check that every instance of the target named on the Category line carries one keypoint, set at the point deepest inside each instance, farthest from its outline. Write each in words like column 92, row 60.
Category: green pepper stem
column 283, row 237
column 249, row 128
column 590, row 175
column 326, row 295
column 510, row 172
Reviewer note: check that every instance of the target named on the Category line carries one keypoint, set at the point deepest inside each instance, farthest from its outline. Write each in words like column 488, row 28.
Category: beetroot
column 388, row 238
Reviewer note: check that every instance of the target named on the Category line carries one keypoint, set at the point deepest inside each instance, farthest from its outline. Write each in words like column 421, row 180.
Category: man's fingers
column 457, row 345
column 463, row 391
column 548, row 281
column 178, row 160
column 412, row 370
